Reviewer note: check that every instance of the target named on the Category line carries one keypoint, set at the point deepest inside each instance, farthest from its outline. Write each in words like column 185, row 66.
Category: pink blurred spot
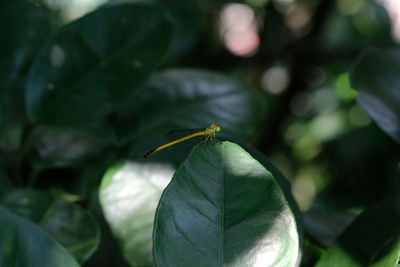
column 243, row 43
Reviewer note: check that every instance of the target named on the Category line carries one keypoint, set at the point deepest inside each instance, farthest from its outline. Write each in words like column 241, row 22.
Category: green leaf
column 143, row 183
column 73, row 227
column 27, row 203
column 223, row 208
column 181, row 99
column 21, row 39
column 63, row 147
column 24, row 27
column 376, row 76
column 70, row 225
column 22, row 243
column 129, row 195
column 325, row 226
column 92, row 65
column 373, row 239
column 286, row 189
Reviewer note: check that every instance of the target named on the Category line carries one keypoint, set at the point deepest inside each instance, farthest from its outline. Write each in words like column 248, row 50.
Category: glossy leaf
column 376, row 76
column 373, row 239
column 143, row 183
column 70, row 225
column 129, row 195
column 180, row 99
column 84, row 74
column 21, row 39
column 22, row 243
column 286, row 189
column 223, row 208
column 61, row 147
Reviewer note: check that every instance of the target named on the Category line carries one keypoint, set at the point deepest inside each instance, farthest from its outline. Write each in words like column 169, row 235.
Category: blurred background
column 296, row 56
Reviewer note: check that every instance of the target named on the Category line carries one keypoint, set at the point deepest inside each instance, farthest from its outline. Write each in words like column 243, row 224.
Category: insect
column 208, row 133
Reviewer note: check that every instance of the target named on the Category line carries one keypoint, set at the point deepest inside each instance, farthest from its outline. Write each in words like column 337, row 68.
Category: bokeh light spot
column 393, row 9
column 310, row 180
column 294, row 131
column 242, row 43
column 328, row 126
column 297, row 19
column 347, row 7
column 306, row 147
column 325, row 100
column 238, row 29
column 366, row 21
column 275, row 80
column 304, row 192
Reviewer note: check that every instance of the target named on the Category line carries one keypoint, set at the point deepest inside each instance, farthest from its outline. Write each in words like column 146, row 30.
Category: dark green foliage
column 373, row 239
column 182, row 99
column 22, row 243
column 29, row 29
column 84, row 71
column 63, row 147
column 376, row 76
column 72, row 226
column 84, row 96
